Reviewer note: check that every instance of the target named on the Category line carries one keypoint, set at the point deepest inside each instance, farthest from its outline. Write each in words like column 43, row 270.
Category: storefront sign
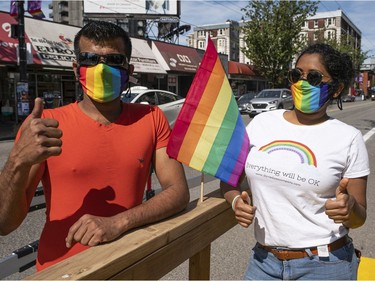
column 143, row 58
column 176, row 57
column 52, row 42
column 8, row 45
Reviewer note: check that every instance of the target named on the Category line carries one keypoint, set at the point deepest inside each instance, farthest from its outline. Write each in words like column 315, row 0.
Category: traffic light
column 138, row 28
column 141, row 28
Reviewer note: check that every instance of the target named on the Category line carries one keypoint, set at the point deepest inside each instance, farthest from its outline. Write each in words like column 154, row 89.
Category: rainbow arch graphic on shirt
column 303, row 152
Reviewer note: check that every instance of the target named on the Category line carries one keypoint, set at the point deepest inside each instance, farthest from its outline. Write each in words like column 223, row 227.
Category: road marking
column 369, row 134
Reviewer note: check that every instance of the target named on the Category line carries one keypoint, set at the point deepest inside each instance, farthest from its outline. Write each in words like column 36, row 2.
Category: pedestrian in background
column 307, row 173
column 93, row 156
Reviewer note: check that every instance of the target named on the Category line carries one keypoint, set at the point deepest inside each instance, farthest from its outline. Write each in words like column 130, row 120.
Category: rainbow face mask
column 103, row 83
column 309, row 99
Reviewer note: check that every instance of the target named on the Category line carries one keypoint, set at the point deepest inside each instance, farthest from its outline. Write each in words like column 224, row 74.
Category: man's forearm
column 163, row 205
column 13, row 206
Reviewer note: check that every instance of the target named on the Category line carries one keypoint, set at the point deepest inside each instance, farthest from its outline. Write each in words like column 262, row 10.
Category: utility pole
column 21, row 41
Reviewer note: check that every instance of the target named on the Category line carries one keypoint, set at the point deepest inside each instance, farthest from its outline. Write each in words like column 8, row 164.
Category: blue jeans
column 342, row 264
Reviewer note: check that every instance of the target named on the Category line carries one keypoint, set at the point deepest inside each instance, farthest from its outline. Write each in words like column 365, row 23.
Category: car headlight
column 273, row 102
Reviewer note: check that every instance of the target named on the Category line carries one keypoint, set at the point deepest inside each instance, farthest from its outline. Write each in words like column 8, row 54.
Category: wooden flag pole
column 202, row 188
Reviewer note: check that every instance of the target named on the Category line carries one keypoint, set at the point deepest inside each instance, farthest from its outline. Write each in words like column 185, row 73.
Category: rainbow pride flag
column 209, row 134
column 35, row 9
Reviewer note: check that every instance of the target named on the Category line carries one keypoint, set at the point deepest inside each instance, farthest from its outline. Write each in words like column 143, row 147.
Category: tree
column 272, row 35
column 346, row 44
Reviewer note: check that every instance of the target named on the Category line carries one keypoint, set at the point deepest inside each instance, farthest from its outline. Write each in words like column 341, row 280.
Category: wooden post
column 202, row 188
column 199, row 265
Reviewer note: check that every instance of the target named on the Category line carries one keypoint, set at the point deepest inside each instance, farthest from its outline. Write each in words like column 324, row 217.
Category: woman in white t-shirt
column 307, row 174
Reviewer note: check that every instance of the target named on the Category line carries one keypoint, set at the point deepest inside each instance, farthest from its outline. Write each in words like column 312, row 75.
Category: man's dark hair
column 101, row 32
column 339, row 65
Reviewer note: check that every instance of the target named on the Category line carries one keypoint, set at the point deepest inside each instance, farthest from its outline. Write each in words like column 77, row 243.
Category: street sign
column 169, row 19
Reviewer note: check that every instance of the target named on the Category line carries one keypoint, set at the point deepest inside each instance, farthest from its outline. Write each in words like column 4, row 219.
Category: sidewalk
column 7, row 130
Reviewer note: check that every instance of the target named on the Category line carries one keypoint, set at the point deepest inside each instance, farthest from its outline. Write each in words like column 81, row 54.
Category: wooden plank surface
column 164, row 260
column 107, row 260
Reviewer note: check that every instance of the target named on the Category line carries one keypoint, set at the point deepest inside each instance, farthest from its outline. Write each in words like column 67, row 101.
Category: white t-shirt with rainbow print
column 292, row 170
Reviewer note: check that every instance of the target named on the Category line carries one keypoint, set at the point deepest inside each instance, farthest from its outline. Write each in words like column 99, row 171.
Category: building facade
column 67, row 12
column 225, row 36
column 333, row 25
column 229, row 40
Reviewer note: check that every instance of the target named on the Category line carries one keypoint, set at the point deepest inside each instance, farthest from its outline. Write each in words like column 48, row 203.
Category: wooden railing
column 153, row 251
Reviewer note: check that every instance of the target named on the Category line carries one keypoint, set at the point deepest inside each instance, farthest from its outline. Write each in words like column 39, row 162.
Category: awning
column 175, row 57
column 143, row 58
column 52, row 42
column 238, row 68
column 48, row 43
column 8, row 45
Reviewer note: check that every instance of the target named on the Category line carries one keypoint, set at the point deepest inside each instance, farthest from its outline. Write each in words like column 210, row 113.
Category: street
column 230, row 252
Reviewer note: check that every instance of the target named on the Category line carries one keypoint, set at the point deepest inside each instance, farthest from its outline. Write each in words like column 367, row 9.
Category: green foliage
column 346, row 44
column 272, row 35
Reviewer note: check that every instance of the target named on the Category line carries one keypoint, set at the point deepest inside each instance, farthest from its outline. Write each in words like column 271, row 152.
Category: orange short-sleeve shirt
column 102, row 170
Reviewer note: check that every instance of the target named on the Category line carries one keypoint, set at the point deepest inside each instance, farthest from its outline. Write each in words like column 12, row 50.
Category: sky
column 202, row 12
column 361, row 13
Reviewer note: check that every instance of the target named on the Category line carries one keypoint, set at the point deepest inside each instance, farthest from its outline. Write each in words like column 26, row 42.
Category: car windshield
column 128, row 97
column 269, row 94
column 246, row 98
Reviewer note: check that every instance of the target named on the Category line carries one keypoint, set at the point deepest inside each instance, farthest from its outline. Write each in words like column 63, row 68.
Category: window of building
column 201, row 45
column 331, row 34
column 330, row 21
column 221, row 46
column 315, row 23
column 316, row 36
column 303, row 36
column 221, row 31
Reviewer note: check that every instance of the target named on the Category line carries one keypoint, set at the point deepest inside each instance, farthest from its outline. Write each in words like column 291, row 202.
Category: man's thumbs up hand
column 338, row 209
column 39, row 138
column 38, row 109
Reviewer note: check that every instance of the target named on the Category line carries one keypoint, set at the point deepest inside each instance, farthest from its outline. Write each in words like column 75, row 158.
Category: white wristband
column 234, row 202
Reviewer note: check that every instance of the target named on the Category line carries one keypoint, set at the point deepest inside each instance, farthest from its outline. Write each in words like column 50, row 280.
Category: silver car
column 244, row 101
column 168, row 102
column 270, row 99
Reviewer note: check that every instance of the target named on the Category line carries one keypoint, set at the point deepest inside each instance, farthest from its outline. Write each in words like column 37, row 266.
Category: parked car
column 244, row 101
column 348, row 98
column 371, row 93
column 270, row 99
column 168, row 102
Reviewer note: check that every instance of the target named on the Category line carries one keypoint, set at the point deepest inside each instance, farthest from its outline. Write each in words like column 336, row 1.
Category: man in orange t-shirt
column 93, row 156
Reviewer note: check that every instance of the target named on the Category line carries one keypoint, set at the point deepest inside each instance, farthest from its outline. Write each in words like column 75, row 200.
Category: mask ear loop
column 333, row 87
column 132, row 80
column 128, row 92
column 80, row 90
